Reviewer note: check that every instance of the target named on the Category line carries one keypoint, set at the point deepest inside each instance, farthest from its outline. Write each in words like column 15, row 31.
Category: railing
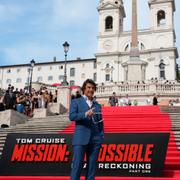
column 138, row 89
column 168, row 88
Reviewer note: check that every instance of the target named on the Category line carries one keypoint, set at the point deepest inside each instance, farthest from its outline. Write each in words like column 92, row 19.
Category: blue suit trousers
column 92, row 151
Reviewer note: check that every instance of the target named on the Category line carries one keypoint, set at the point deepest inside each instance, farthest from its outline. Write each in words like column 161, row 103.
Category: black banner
column 121, row 154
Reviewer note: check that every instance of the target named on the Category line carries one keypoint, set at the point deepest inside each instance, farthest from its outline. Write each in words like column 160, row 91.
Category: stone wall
column 11, row 118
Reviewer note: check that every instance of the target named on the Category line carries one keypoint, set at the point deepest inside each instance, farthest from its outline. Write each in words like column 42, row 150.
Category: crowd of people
column 174, row 102
column 115, row 100
column 24, row 102
column 76, row 95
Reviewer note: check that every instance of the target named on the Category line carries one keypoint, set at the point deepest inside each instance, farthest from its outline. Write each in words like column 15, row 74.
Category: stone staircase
column 48, row 125
column 174, row 113
column 53, row 124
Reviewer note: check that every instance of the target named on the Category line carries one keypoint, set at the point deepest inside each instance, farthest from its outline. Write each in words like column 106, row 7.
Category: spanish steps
column 48, row 125
column 54, row 124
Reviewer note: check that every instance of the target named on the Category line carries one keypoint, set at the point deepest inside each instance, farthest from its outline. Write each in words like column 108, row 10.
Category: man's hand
column 90, row 113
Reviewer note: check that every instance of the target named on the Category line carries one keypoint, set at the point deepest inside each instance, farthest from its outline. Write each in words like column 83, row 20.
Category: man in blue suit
column 89, row 132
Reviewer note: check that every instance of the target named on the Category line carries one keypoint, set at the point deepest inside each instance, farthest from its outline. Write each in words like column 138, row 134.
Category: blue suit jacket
column 83, row 128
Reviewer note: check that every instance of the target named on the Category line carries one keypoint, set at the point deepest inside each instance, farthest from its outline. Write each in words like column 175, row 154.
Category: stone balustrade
column 138, row 89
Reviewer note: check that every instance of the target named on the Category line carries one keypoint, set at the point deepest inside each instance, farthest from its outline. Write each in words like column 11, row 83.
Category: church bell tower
column 111, row 18
column 162, row 14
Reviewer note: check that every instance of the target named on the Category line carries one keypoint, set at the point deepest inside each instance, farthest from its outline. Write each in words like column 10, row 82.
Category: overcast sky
column 36, row 29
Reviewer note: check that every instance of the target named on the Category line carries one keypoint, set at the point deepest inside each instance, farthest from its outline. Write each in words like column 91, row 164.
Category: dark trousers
column 2, row 107
column 92, row 151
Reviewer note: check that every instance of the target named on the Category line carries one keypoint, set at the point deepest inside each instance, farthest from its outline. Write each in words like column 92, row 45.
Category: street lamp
column 112, row 68
column 32, row 63
column 66, row 49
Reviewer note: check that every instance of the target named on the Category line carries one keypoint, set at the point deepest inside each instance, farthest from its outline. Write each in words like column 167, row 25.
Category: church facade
column 158, row 52
column 156, row 46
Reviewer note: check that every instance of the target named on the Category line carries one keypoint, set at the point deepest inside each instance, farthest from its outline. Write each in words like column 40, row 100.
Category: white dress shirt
column 88, row 101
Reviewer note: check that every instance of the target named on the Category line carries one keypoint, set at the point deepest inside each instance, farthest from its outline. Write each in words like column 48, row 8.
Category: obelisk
column 134, row 67
column 134, row 52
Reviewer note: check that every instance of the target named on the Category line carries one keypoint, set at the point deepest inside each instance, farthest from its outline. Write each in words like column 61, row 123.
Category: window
column 72, row 83
column 95, row 77
column 18, row 80
column 61, row 77
column 8, row 81
column 83, row 75
column 142, row 47
column 95, row 65
column 28, row 80
column 162, row 69
column 60, row 67
column 109, row 23
column 107, row 65
column 120, row 22
column 28, row 70
column 50, row 78
column 107, row 77
column 18, row 70
column 161, row 18
column 127, row 48
column 8, row 71
column 72, row 72
column 40, row 79
column 39, row 68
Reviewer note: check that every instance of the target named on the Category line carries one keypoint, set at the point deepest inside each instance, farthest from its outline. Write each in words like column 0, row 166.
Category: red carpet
column 129, row 120
column 142, row 119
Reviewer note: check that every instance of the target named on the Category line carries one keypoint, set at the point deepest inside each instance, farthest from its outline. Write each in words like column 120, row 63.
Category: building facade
column 156, row 45
column 48, row 73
